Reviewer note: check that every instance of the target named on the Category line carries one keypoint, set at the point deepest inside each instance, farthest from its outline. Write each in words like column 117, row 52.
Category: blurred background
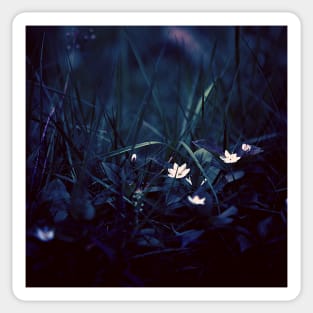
column 114, row 66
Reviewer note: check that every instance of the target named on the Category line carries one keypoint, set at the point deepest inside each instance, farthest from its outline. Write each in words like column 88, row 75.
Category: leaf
column 231, row 211
column 147, row 238
column 56, row 195
column 55, row 191
column 243, row 242
column 283, row 213
column 201, row 170
column 264, row 227
column 60, row 215
column 231, row 177
column 131, row 148
column 207, row 145
column 72, row 180
column 81, row 205
column 225, row 217
column 174, row 198
column 70, row 231
column 251, row 150
column 101, row 198
column 189, row 236
column 106, row 249
column 204, row 157
column 195, row 114
column 89, row 210
column 112, row 172
column 155, row 189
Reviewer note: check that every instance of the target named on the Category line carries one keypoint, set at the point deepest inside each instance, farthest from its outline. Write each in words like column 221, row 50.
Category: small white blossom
column 196, row 200
column 229, row 158
column 133, row 157
column 44, row 234
column 188, row 180
column 178, row 171
column 245, row 147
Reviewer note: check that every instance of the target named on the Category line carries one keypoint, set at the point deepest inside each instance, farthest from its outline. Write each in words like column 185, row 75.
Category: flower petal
column 245, row 147
column 234, row 158
column 190, row 199
column 183, row 167
column 185, row 172
column 171, row 173
column 44, row 234
column 196, row 200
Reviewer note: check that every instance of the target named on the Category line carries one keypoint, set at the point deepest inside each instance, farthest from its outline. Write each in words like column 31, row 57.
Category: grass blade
column 130, row 148
column 189, row 151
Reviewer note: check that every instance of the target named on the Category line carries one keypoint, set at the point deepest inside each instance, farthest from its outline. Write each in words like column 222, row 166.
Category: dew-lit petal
column 183, row 167
column 171, row 172
column 133, row 157
column 196, row 200
column 44, row 234
column 178, row 171
column 245, row 147
column 185, row 172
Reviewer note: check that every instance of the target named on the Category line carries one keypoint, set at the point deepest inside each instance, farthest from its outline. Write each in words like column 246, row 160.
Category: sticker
column 150, row 156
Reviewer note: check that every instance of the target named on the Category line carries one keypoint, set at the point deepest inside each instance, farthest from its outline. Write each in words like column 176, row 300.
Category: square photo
column 155, row 156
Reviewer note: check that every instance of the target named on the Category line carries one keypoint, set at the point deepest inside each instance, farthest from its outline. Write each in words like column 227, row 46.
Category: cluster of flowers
column 232, row 157
column 182, row 171
column 177, row 172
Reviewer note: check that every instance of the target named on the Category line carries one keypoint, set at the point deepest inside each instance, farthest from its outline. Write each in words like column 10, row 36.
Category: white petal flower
column 178, row 171
column 133, row 157
column 245, row 147
column 196, row 200
column 44, row 234
column 230, row 158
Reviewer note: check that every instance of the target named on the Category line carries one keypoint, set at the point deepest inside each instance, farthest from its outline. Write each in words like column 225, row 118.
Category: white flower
column 196, row 200
column 245, row 147
column 188, row 179
column 44, row 234
column 133, row 157
column 229, row 158
column 178, row 171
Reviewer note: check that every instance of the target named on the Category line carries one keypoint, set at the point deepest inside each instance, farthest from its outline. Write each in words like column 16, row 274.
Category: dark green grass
column 97, row 96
